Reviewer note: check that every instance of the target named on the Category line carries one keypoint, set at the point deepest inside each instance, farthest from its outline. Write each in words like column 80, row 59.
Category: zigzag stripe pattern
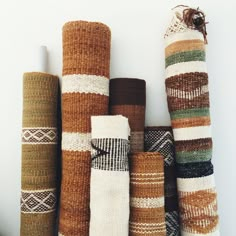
column 172, row 223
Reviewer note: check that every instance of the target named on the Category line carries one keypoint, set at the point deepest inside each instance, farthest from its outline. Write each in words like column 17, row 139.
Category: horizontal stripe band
column 195, row 55
column 191, row 133
column 184, row 45
column 196, row 184
column 85, row 84
column 189, row 35
column 216, row 233
column 194, row 156
column 147, row 202
column 76, row 141
column 187, row 95
column 186, row 67
column 188, row 113
column 191, row 122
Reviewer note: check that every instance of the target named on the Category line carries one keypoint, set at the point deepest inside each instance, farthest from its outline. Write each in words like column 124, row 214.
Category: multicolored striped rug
column 188, row 101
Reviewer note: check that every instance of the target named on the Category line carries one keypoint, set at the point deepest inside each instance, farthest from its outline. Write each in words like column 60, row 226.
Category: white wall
column 137, row 51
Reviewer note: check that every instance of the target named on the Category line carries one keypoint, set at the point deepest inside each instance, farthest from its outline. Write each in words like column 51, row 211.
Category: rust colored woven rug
column 39, row 154
column 85, row 90
column 160, row 139
column 128, row 98
column 147, row 213
column 188, row 102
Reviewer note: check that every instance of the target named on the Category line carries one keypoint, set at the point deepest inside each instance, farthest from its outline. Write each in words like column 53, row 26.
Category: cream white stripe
column 195, row 184
column 43, row 212
column 76, row 141
column 188, row 35
column 147, row 232
column 216, row 233
column 147, row 202
column 60, row 234
column 146, row 224
column 159, row 182
column 85, row 84
column 186, row 67
column 147, row 174
column 191, row 133
column 38, row 191
column 187, row 95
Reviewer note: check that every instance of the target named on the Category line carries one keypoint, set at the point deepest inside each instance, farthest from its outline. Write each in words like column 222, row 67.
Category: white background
column 137, row 51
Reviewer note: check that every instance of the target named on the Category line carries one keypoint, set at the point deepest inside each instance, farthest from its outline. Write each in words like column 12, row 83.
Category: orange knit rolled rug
column 85, row 90
column 39, row 154
column 147, row 213
column 128, row 98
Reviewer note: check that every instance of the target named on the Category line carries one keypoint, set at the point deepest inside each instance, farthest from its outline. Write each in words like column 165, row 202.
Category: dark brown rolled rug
column 39, row 154
column 128, row 98
column 85, row 90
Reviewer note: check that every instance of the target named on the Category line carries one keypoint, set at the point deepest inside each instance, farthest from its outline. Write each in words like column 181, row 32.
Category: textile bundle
column 147, row 214
column 128, row 98
column 109, row 194
column 160, row 139
column 85, row 90
column 188, row 102
column 39, row 154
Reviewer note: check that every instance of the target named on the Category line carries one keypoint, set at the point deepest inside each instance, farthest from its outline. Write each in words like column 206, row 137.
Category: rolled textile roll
column 109, row 195
column 147, row 214
column 128, row 98
column 39, row 154
column 85, row 90
column 188, row 102
column 160, row 139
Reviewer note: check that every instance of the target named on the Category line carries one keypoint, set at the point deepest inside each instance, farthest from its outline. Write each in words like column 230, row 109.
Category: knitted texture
column 147, row 214
column 160, row 139
column 188, row 102
column 109, row 194
column 128, row 98
column 85, row 89
column 39, row 154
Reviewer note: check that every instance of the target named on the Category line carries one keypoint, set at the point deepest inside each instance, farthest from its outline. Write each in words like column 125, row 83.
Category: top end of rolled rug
column 186, row 19
column 86, row 25
column 28, row 75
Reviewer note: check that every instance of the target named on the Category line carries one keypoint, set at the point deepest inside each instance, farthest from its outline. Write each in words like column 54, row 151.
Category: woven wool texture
column 128, row 98
column 109, row 194
column 85, row 90
column 160, row 139
column 147, row 213
column 39, row 154
column 188, row 102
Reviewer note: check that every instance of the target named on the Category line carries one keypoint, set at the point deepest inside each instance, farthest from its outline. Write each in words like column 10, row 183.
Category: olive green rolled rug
column 39, row 154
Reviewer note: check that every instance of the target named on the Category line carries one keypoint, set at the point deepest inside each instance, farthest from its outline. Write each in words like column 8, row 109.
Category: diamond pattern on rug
column 38, row 202
column 39, row 135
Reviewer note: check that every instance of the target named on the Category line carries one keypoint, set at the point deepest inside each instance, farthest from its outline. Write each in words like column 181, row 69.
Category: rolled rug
column 147, row 213
column 39, row 154
column 160, row 139
column 85, row 90
column 188, row 102
column 109, row 194
column 128, row 98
